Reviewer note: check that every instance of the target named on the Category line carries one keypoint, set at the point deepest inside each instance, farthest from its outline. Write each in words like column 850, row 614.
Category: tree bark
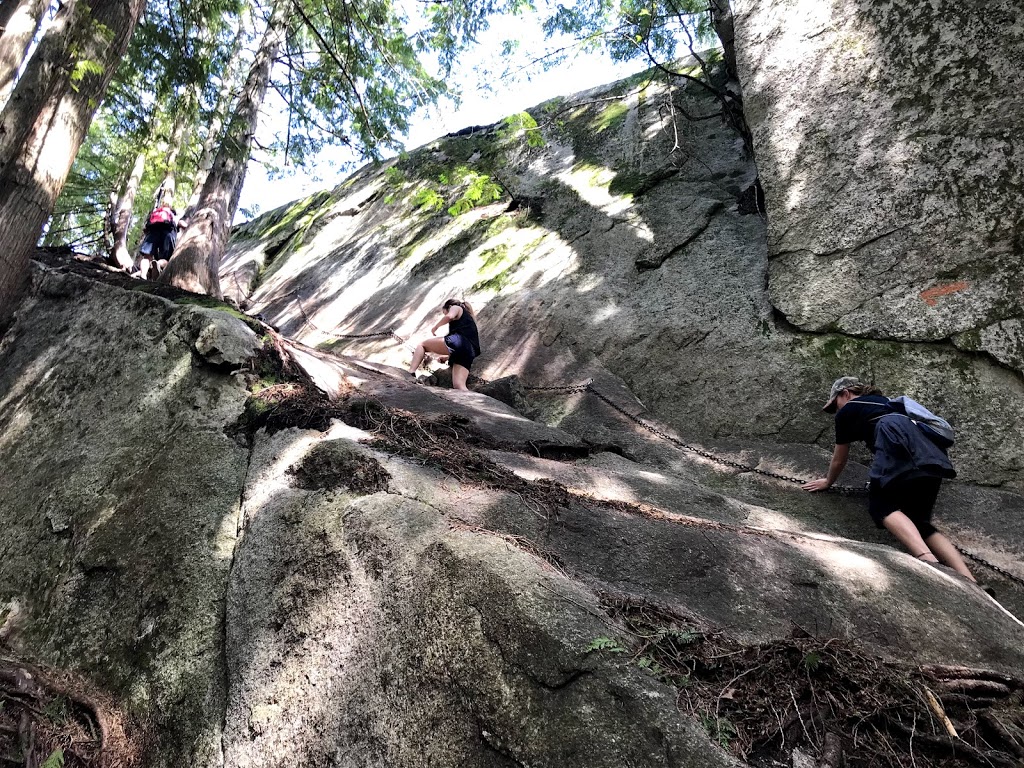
column 120, row 217
column 33, row 176
column 722, row 21
column 18, row 31
column 51, row 58
column 183, row 123
column 195, row 265
column 220, row 112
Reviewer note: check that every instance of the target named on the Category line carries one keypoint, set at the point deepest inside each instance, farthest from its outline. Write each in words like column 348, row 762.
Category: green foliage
column 680, row 636
column 354, row 81
column 428, row 199
column 652, row 666
column 394, row 177
column 85, row 67
column 604, row 644
column 720, row 729
column 55, row 760
column 479, row 189
column 521, row 124
column 455, row 24
column 812, row 660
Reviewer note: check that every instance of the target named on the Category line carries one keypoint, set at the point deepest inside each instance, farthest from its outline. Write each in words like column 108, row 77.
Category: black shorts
column 914, row 497
column 460, row 350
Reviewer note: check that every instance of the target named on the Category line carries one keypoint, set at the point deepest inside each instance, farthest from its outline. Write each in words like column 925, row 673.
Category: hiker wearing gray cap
column 906, row 473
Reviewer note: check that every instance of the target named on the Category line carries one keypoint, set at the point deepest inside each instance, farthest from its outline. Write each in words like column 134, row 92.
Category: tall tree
column 120, row 215
column 184, row 124
column 348, row 74
column 196, row 262
column 20, row 20
column 33, row 176
column 179, row 47
column 221, row 109
column 52, row 61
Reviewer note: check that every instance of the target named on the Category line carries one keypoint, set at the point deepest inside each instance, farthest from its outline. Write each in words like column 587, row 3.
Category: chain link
column 378, row 334
column 588, row 386
column 844, row 490
column 991, row 566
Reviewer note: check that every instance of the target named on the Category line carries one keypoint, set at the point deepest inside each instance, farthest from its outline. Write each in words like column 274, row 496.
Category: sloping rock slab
column 489, row 419
column 367, row 631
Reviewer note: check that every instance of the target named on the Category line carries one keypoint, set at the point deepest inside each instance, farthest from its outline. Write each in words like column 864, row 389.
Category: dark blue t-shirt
column 857, row 419
column 465, row 326
column 902, row 450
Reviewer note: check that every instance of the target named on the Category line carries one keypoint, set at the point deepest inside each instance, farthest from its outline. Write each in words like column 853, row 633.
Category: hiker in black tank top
column 906, row 472
column 459, row 347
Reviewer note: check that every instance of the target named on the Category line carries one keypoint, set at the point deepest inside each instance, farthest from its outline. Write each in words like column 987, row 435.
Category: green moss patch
column 208, row 302
column 611, row 116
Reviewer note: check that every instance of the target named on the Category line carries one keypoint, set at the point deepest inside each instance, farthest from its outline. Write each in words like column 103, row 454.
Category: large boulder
column 413, row 583
column 888, row 143
column 622, row 248
column 120, row 498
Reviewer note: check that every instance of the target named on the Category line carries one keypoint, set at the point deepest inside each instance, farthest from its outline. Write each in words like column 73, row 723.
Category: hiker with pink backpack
column 161, row 237
column 909, row 444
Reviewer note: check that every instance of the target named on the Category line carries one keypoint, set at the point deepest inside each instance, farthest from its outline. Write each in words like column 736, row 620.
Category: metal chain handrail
column 390, row 332
column 589, row 387
column 844, row 490
column 991, row 566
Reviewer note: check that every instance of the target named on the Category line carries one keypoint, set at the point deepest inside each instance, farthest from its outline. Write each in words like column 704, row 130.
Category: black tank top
column 465, row 326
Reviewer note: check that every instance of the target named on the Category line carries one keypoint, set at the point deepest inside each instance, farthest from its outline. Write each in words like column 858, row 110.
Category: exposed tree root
column 826, row 697
column 52, row 719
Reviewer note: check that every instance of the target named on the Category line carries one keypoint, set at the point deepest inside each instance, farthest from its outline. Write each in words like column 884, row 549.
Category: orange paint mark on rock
column 930, row 295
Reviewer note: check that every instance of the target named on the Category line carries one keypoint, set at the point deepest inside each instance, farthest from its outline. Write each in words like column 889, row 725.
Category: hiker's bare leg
column 161, row 265
column 948, row 554
column 460, row 375
column 903, row 528
column 435, row 345
column 144, row 268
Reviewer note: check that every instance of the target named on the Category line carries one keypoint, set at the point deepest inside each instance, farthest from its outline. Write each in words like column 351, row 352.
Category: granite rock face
column 120, row 500
column 889, row 142
column 333, row 598
column 622, row 248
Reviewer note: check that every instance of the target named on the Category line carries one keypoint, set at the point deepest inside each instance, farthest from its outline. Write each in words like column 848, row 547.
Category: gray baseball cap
column 843, row 382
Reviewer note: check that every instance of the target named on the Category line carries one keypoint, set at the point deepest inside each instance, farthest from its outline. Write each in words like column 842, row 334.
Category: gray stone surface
column 119, row 502
column 221, row 339
column 633, row 266
column 888, row 140
column 314, row 600
column 396, row 640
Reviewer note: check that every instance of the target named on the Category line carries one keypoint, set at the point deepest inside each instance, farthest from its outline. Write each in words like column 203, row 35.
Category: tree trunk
column 195, row 265
column 120, row 217
column 220, row 112
column 19, row 29
column 34, row 175
column 51, row 59
column 183, row 122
